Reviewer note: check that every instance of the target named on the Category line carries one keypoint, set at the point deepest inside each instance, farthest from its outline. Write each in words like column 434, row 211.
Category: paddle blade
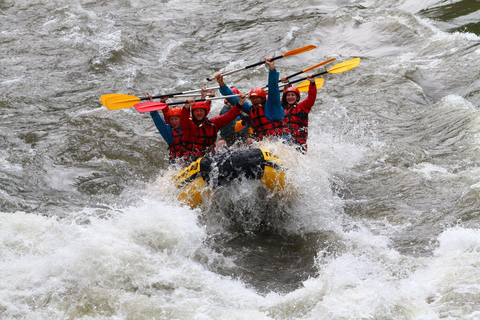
column 320, row 64
column 299, row 50
column 121, row 101
column 104, row 97
column 150, row 106
column 303, row 86
column 344, row 66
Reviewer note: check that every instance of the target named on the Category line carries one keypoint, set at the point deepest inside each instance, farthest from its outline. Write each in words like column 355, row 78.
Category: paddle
column 119, row 101
column 310, row 68
column 154, row 106
column 339, row 68
column 104, row 97
column 286, row 54
column 303, row 86
column 151, row 106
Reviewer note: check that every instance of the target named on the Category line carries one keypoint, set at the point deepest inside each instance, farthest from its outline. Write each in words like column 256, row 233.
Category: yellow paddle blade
column 299, row 50
column 318, row 65
column 104, row 97
column 344, row 66
column 121, row 101
column 303, row 86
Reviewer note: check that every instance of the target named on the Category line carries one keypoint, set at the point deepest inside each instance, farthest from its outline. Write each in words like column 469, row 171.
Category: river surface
column 384, row 219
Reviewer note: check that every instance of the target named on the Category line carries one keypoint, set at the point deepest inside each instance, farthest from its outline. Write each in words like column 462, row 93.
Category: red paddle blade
column 150, row 106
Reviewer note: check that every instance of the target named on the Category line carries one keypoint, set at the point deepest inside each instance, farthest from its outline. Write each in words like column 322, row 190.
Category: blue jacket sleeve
column 164, row 129
column 273, row 106
column 229, row 128
column 226, row 91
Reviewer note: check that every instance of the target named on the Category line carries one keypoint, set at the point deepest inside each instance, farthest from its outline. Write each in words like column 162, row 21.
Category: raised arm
column 185, row 121
column 232, row 114
column 164, row 129
column 226, row 91
column 165, row 110
column 273, row 106
column 307, row 104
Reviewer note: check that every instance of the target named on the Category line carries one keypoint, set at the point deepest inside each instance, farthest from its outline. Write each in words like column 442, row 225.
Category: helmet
column 201, row 105
column 292, row 89
column 235, row 90
column 175, row 111
column 258, row 92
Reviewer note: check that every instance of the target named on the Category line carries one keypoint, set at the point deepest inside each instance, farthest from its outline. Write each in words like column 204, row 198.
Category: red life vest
column 297, row 123
column 262, row 127
column 176, row 148
column 204, row 140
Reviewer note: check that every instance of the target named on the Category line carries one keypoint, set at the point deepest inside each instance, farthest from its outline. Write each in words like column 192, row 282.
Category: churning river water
column 385, row 220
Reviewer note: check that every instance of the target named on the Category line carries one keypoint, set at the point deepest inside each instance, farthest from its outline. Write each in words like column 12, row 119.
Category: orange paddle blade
column 299, row 50
column 320, row 64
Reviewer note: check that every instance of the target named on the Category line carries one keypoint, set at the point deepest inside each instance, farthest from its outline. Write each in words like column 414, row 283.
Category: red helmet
column 292, row 89
column 175, row 111
column 235, row 90
column 201, row 105
column 258, row 92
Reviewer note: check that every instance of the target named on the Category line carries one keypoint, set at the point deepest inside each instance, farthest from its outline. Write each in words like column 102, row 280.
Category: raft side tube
column 188, row 174
column 274, row 176
column 204, row 174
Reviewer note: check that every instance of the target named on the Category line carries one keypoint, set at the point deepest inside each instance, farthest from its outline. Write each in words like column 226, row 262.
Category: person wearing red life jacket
column 266, row 114
column 296, row 113
column 199, row 132
column 170, row 130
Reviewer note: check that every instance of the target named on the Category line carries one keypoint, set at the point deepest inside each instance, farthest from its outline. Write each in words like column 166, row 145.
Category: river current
column 384, row 221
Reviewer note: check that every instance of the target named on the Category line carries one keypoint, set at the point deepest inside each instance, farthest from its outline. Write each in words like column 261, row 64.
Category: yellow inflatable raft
column 207, row 173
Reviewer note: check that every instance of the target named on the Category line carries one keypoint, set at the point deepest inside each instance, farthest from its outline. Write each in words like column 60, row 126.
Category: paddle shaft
column 339, row 68
column 176, row 93
column 293, row 75
column 304, row 87
column 204, row 99
column 287, row 54
column 245, row 68
column 297, row 80
column 305, row 78
column 310, row 68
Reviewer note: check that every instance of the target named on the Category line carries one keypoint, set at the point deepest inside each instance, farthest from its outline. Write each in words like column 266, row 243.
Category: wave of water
column 149, row 262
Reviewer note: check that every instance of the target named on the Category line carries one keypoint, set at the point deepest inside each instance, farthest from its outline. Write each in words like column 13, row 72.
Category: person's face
column 175, row 121
column 256, row 100
column 199, row 114
column 291, row 97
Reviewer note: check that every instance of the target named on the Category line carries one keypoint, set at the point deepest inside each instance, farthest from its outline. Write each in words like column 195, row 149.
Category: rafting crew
column 200, row 132
column 296, row 113
column 170, row 129
column 263, row 114
column 240, row 121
